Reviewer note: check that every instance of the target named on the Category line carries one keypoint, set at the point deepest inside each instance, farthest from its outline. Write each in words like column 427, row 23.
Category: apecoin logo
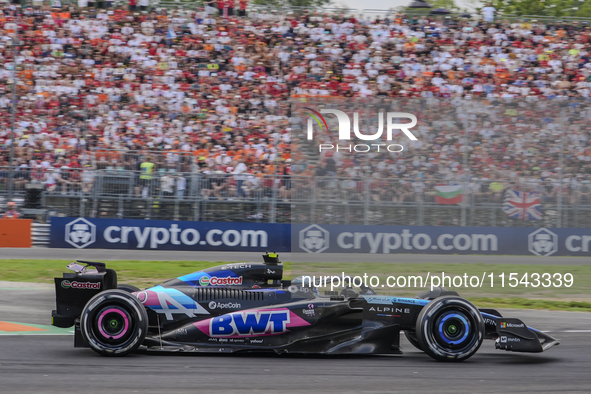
column 228, row 305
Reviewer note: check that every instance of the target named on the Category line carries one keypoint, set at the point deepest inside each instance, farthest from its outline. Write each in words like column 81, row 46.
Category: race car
column 248, row 307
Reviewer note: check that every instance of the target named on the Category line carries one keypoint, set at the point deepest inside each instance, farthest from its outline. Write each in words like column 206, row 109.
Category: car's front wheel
column 114, row 323
column 450, row 328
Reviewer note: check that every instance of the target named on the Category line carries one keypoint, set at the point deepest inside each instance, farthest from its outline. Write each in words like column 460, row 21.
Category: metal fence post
column 464, row 204
column 366, row 201
column 493, row 214
column 421, row 206
column 82, row 206
column 134, row 181
column 196, row 210
column 176, row 208
column 465, row 145
column 313, row 200
column 575, row 208
column 561, row 172
column 94, row 207
column 121, row 208
column 273, row 213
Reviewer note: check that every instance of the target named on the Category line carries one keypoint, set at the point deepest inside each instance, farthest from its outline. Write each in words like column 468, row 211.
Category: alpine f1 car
column 247, row 307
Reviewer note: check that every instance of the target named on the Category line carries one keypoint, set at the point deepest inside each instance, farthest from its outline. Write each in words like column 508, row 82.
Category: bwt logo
column 249, row 323
column 80, row 233
column 345, row 129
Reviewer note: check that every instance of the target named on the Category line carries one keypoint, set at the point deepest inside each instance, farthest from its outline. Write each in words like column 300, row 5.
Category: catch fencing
column 204, row 195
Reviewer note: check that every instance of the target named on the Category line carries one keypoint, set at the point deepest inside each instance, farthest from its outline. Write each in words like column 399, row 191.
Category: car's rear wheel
column 411, row 336
column 114, row 323
column 127, row 288
column 450, row 328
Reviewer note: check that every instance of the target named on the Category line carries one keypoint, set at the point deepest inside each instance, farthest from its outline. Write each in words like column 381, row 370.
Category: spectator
column 242, row 4
column 144, row 5
column 210, row 8
column 219, row 183
column 11, row 212
column 238, row 172
column 167, row 182
column 146, row 171
column 181, row 185
column 88, row 176
column 488, row 12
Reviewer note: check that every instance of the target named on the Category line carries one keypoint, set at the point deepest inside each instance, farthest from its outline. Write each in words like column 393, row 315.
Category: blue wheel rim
column 443, row 335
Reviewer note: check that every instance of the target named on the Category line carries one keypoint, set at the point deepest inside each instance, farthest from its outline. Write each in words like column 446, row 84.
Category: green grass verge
column 148, row 273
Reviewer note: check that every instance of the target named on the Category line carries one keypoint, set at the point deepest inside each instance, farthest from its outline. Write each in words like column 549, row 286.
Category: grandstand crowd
column 211, row 92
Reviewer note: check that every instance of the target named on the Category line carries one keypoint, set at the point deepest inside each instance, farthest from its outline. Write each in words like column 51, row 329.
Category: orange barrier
column 15, row 233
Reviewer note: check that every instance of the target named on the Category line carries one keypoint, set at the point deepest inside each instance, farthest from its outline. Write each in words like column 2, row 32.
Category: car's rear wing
column 73, row 290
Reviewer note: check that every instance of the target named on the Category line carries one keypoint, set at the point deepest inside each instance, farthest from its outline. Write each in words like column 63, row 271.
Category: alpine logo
column 249, row 323
column 388, row 309
column 170, row 302
column 215, row 281
column 66, row 284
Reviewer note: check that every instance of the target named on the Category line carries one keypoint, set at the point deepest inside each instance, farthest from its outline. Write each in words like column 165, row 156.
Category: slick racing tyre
column 127, row 288
column 114, row 323
column 450, row 328
column 411, row 336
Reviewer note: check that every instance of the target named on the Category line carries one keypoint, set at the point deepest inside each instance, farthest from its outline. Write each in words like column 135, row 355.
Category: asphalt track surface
column 50, row 363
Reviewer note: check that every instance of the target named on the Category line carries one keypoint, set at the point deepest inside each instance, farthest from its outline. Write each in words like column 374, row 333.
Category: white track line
column 32, row 335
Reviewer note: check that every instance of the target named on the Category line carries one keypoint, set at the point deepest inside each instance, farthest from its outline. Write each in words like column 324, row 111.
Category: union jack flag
column 523, row 205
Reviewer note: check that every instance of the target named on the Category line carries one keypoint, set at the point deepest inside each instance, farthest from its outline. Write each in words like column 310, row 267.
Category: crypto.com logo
column 80, row 233
column 542, row 242
column 314, row 239
column 345, row 130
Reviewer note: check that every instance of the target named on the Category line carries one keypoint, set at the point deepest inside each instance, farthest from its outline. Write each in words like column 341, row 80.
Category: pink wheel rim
column 100, row 321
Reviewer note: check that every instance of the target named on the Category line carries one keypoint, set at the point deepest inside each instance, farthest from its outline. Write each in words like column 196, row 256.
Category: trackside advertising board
column 441, row 240
column 89, row 233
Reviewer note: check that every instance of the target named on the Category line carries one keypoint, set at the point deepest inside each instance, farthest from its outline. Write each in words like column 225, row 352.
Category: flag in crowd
column 523, row 205
column 448, row 194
